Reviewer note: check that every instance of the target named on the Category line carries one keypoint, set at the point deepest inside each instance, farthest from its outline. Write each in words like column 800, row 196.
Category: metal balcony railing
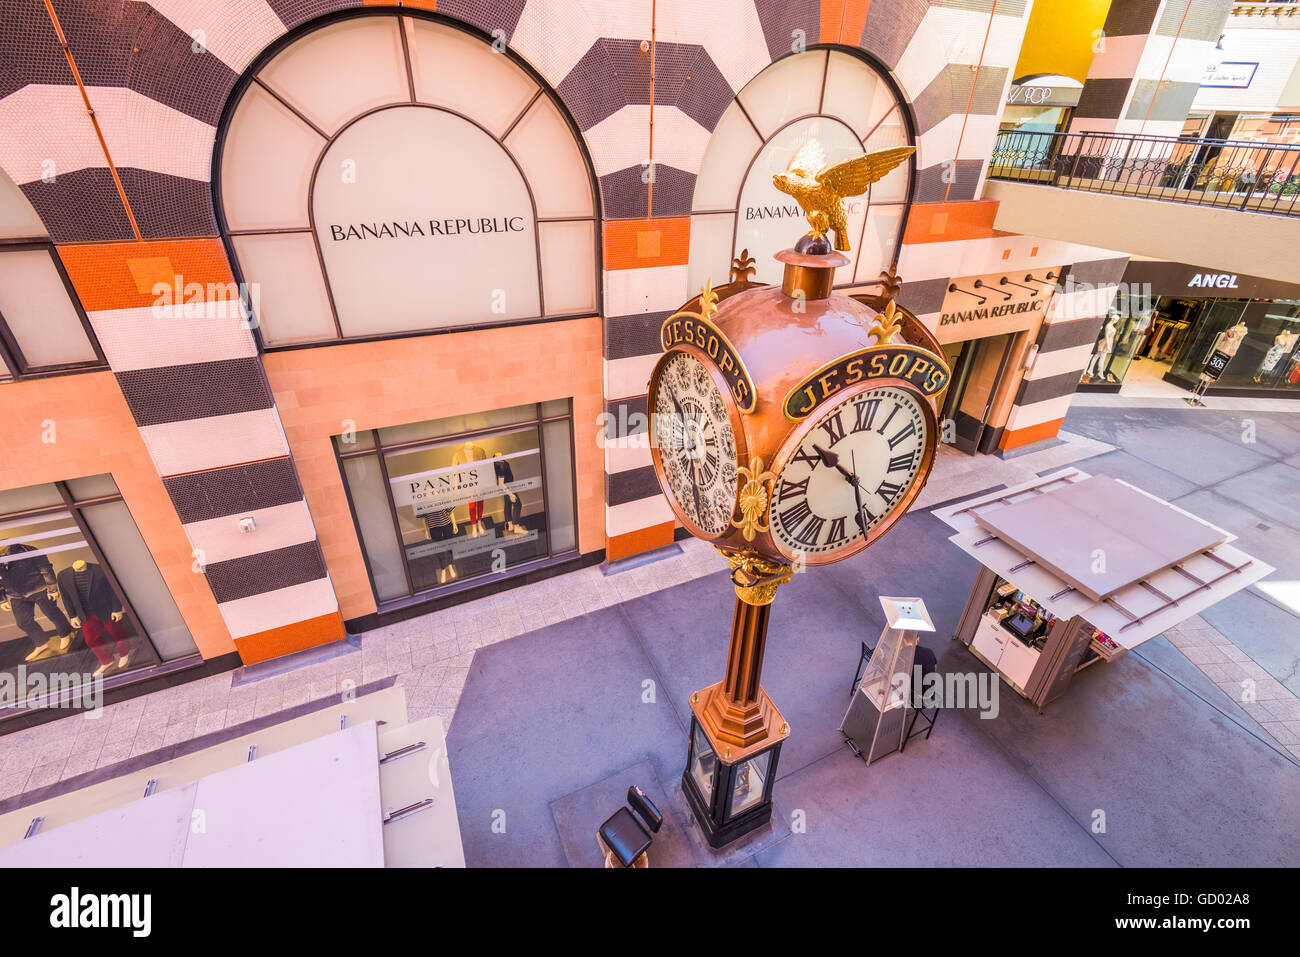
column 1233, row 174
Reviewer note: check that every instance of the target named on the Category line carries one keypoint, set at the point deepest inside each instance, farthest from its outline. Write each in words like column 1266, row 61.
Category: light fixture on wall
column 1046, row 282
column 952, row 287
column 1004, row 281
column 979, row 284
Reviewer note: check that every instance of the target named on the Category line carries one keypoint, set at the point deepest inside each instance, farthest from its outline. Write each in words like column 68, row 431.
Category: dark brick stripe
column 1098, row 272
column 629, row 336
column 931, row 187
column 1049, row 387
column 195, row 391
column 132, row 45
column 1068, row 335
column 624, row 194
column 890, row 28
column 81, row 206
column 29, row 49
column 488, row 15
column 1128, row 18
column 622, row 411
column 294, row 12
column 257, row 574
column 168, row 207
column 239, row 489
column 1102, row 98
column 632, row 485
column 614, row 73
column 950, row 91
column 924, row 295
column 781, row 18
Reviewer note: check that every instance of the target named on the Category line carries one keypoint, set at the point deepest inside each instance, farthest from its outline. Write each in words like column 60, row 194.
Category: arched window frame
column 250, row 78
column 901, row 105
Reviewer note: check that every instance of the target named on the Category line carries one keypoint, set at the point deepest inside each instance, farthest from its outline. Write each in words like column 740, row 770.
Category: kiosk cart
column 1077, row 569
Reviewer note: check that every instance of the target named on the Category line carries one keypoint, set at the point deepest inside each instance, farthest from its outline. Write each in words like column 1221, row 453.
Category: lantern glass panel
column 704, row 764
column 750, row 782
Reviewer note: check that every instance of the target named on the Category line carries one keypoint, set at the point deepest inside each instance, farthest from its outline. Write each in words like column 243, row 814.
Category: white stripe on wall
column 275, row 609
column 148, row 338
column 196, row 445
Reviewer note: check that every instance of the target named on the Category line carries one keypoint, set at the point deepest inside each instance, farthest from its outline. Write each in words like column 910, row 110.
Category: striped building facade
column 1147, row 67
column 111, row 115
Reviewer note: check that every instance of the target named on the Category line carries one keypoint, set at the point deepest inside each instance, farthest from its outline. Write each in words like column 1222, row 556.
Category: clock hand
column 832, row 460
column 857, row 495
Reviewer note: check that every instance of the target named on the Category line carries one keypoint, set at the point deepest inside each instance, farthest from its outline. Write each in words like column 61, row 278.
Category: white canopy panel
column 1129, row 614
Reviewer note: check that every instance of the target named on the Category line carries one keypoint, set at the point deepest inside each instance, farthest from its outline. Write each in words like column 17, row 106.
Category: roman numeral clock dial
column 852, row 469
column 695, row 443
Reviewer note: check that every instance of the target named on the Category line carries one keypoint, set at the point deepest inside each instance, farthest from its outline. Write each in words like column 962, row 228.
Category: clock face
column 695, row 442
column 851, row 471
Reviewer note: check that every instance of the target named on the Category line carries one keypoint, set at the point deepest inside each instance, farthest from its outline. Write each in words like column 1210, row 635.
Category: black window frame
column 11, row 350
column 378, row 450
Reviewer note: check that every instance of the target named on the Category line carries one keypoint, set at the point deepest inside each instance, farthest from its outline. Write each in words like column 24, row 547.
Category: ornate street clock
column 790, row 427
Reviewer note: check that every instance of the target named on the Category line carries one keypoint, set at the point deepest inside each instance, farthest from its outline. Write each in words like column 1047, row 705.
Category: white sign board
column 1233, row 75
column 454, row 485
column 423, row 222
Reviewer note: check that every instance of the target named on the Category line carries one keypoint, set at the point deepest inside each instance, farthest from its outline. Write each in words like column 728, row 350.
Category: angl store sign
column 423, row 221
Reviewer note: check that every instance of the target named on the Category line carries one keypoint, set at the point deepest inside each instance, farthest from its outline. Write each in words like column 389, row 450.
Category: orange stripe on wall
column 639, row 243
column 275, row 642
column 642, row 540
column 122, row 275
column 1031, row 433
column 949, row 222
column 843, row 21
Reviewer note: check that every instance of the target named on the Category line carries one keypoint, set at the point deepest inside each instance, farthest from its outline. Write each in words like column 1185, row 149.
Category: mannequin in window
column 1282, row 344
column 25, row 585
column 442, row 526
column 93, row 606
column 1229, row 340
column 1101, row 352
column 512, row 505
column 467, row 453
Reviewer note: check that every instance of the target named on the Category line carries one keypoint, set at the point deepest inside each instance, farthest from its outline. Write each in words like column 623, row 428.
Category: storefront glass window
column 1264, row 342
column 42, row 329
column 1121, row 335
column 80, row 595
column 458, row 499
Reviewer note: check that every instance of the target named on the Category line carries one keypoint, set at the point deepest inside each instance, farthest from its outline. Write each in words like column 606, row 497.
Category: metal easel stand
column 879, row 718
column 1198, row 393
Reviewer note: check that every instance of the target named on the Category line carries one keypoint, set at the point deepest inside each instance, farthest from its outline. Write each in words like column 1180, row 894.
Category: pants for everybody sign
column 445, row 489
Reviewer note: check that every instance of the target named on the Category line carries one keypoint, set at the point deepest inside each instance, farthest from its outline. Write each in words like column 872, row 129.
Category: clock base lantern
column 736, row 730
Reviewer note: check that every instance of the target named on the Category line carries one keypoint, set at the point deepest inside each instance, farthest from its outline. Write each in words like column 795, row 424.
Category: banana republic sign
column 423, row 221
column 978, row 306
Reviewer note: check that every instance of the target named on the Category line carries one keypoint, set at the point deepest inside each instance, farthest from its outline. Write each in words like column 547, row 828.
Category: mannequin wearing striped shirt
column 441, row 525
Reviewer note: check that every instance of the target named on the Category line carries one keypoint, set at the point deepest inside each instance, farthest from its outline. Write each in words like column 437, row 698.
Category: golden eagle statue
column 821, row 189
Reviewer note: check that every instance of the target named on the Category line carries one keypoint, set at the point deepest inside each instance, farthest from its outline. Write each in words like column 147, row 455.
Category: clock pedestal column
column 736, row 730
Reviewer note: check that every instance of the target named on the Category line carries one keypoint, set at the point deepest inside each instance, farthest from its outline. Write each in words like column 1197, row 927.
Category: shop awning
column 1129, row 563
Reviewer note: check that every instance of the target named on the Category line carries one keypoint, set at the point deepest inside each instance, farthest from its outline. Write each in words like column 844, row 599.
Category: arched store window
column 850, row 107
column 388, row 175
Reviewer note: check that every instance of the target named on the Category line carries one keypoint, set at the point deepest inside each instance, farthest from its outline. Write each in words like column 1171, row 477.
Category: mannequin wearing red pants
column 471, row 454
column 92, row 603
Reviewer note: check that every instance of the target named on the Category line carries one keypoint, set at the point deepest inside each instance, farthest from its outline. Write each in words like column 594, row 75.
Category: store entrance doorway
column 978, row 368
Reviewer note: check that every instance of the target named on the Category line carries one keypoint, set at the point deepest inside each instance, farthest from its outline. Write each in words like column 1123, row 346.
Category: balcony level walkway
column 1212, row 236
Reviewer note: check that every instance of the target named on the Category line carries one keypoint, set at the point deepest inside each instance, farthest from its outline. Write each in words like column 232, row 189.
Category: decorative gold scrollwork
column 755, row 496
column 756, row 578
